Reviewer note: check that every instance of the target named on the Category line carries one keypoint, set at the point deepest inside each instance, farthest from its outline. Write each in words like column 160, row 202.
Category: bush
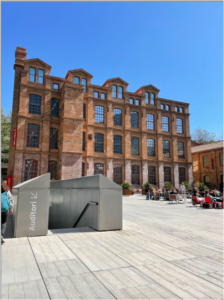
column 145, row 184
column 202, row 186
column 187, row 185
column 126, row 186
column 168, row 185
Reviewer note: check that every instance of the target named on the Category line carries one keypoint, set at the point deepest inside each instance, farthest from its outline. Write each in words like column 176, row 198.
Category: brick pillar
column 176, row 175
column 175, row 150
column 110, row 170
column 90, row 166
column 128, row 171
column 160, row 147
column 18, row 166
column 190, row 174
column 44, row 164
column 46, row 136
column 144, row 171
column 161, row 175
column 71, row 166
column 109, row 139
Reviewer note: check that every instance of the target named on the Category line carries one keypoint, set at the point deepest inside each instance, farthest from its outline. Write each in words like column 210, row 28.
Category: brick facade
column 71, row 124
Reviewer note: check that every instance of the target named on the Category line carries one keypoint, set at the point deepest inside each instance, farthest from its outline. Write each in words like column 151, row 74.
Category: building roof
column 207, row 147
column 78, row 71
column 116, row 79
column 37, row 60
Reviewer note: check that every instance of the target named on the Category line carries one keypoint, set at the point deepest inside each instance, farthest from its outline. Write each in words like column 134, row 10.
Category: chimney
column 20, row 55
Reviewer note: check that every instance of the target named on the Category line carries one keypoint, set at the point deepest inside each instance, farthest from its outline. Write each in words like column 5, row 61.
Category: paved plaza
column 165, row 251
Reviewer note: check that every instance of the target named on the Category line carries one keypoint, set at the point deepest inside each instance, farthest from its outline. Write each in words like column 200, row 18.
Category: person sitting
column 217, row 193
column 152, row 194
column 213, row 200
column 166, row 194
column 173, row 192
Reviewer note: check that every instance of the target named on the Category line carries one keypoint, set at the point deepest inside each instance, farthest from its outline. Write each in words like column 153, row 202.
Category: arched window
column 152, row 98
column 182, row 175
column 179, row 125
column 99, row 114
column 180, row 148
column 31, row 167
column 151, row 147
column 99, row 144
column 165, row 123
column 52, row 168
column 54, row 107
column 152, row 174
column 205, row 161
column 166, row 148
column 54, row 138
column 150, row 121
column 134, row 146
column 34, row 104
column 117, row 117
column 135, row 174
column 33, row 133
column 167, row 174
column 134, row 119
column 147, row 97
column 98, row 169
column 118, row 144
column 118, row 174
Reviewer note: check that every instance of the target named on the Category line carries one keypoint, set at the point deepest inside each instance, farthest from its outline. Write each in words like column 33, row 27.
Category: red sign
column 14, row 137
column 9, row 182
column 212, row 163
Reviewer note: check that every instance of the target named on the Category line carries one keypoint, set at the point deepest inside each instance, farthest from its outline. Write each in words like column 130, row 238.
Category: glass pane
column 32, row 71
column 84, row 111
column 117, row 144
column 76, row 80
column 35, row 104
column 84, row 84
column 96, row 95
column 152, row 98
column 152, row 174
column 162, row 106
column 167, row 107
column 179, row 123
column 146, row 97
column 151, row 147
column 99, row 145
column 98, row 169
column 52, row 168
column 55, row 107
column 131, row 101
column 40, row 72
column 33, row 131
column 180, row 149
column 31, row 168
column 134, row 119
column 166, row 148
column 53, row 138
column 99, row 114
column 150, row 121
column 118, row 174
column 55, row 86
column 165, row 123
column 135, row 175
column 136, row 102
column 134, row 146
column 167, row 174
column 103, row 96
column 117, row 117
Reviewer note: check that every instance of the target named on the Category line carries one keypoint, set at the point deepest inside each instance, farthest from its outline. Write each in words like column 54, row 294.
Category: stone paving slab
column 165, row 251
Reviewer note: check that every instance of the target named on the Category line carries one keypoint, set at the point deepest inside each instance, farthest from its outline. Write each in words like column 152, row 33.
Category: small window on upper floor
column 162, row 106
column 176, row 109
column 103, row 96
column 137, row 102
column 181, row 110
column 96, row 95
column 32, row 74
column 120, row 96
column 131, row 101
column 76, row 80
column 114, row 91
column 152, row 98
column 147, row 97
column 55, row 86
column 40, row 76
column 167, row 107
column 84, row 82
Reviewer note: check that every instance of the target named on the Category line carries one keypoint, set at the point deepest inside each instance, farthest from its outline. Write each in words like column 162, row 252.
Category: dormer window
column 103, row 96
column 137, row 102
column 55, row 86
column 96, row 95
column 84, row 82
column 76, row 80
column 176, row 109
column 32, row 74
column 114, row 91
column 167, row 107
column 147, row 97
column 131, row 101
column 181, row 110
column 120, row 96
column 162, row 106
column 40, row 76
column 152, row 98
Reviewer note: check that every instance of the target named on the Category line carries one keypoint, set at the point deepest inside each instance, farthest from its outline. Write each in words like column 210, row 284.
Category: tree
column 5, row 130
column 203, row 136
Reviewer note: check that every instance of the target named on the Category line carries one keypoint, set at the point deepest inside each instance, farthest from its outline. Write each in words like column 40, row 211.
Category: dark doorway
column 221, row 184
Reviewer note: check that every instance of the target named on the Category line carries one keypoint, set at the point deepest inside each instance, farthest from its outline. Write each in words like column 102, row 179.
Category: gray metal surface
column 69, row 198
column 31, row 207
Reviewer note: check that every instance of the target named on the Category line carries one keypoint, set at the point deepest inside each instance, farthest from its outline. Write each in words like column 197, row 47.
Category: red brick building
column 72, row 128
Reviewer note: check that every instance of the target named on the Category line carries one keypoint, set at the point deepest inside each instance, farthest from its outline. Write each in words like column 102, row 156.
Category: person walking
column 147, row 192
column 6, row 207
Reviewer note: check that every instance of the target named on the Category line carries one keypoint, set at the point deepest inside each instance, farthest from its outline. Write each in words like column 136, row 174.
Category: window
column 167, row 107
column 98, row 169
column 52, row 168
column 33, row 131
column 84, row 111
column 54, row 138
column 103, row 96
column 114, row 91
column 131, row 101
column 162, row 106
column 134, row 119
column 221, row 158
column 54, row 107
column 32, row 75
column 135, row 175
column 167, row 174
column 83, row 141
column 206, row 179
column 55, row 86
column 152, row 174
column 205, row 161
column 35, row 104
column 179, row 126
column 40, row 76
column 84, row 83
column 99, row 114
column 176, row 109
column 166, row 148
column 165, row 123
column 150, row 121
column 117, row 117
column 146, row 97
column 151, row 147
column 83, row 169
column 152, row 98
column 118, row 144
column 120, row 96
column 99, row 145
column 118, row 174
column 134, row 146
column 96, row 95
column 76, row 80
column 31, row 167
column 182, row 176
column 137, row 102
column 181, row 110
column 180, row 147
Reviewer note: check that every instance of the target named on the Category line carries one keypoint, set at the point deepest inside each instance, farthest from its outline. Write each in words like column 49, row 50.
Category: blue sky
column 177, row 47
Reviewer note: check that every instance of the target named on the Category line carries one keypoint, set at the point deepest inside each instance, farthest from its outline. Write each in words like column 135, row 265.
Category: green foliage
column 126, row 186
column 145, row 184
column 5, row 131
column 168, row 185
column 202, row 187
column 187, row 185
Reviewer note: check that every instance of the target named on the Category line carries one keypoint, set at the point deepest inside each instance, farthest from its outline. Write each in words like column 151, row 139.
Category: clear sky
column 177, row 47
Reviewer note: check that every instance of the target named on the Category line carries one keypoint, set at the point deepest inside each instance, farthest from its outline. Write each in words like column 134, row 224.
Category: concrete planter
column 127, row 192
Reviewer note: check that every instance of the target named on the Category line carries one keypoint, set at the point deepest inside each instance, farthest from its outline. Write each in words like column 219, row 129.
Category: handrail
column 80, row 216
